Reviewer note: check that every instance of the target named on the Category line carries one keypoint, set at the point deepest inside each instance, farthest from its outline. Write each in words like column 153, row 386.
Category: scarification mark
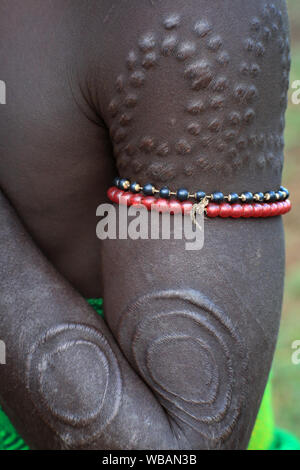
column 241, row 143
column 203, row 163
column 205, row 140
column 147, row 42
column 234, row 118
column 214, row 43
column 244, row 68
column 120, row 83
column 249, row 116
column 131, row 100
column 255, row 70
column 92, row 382
column 137, row 79
column 163, row 331
column 196, row 107
column 165, row 172
column 185, row 50
column 189, row 170
column 249, row 45
column 259, row 49
column 221, row 146
column 119, row 135
column 202, row 28
column 217, row 102
column 125, row 119
column 163, row 149
column 149, row 60
column 172, row 21
column 261, row 162
column 113, row 107
column 200, row 73
column 147, row 144
column 183, row 147
column 215, row 125
column 220, row 84
column 267, row 34
column 223, row 58
column 169, row 45
column 245, row 93
column 255, row 24
column 230, row 135
column 131, row 60
column 194, row 128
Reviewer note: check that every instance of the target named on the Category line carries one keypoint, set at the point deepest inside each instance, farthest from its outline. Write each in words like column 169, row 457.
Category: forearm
column 65, row 383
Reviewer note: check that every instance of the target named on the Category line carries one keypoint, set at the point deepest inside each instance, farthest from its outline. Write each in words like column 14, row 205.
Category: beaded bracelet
column 182, row 194
column 211, row 209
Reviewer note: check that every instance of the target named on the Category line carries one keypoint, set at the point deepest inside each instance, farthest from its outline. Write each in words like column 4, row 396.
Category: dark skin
column 167, row 92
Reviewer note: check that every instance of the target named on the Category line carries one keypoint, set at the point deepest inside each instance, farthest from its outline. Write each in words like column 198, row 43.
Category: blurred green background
column 286, row 375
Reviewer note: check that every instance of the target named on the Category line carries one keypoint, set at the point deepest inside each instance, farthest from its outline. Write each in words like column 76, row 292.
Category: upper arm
column 193, row 92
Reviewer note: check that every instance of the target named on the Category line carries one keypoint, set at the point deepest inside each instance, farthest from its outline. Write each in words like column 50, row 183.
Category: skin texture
column 161, row 91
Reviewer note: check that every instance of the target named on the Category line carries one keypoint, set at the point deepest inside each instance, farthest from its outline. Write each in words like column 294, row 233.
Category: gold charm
column 199, row 208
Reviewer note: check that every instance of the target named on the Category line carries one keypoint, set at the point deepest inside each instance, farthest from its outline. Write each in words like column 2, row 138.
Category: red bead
column 136, row 199
column 236, row 211
column 285, row 207
column 274, row 209
column 110, row 192
column 225, row 210
column 161, row 205
column 117, row 195
column 288, row 205
column 212, row 210
column 247, row 210
column 125, row 199
column 266, row 210
column 148, row 201
column 174, row 206
column 186, row 207
column 280, row 207
column 257, row 210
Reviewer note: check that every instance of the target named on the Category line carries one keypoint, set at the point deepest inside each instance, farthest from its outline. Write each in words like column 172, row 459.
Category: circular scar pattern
column 218, row 102
column 191, row 355
column 74, row 381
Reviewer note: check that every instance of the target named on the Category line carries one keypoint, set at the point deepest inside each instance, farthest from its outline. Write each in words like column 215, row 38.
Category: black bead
column 182, row 194
column 164, row 192
column 248, row 197
column 272, row 196
column 260, row 196
column 116, row 181
column 217, row 197
column 282, row 188
column 234, row 198
column 200, row 195
column 134, row 186
column 281, row 195
column 124, row 184
column 148, row 189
